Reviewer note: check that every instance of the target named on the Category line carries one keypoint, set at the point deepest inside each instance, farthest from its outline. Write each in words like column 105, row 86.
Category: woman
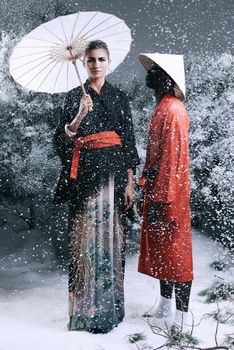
column 96, row 144
column 166, row 247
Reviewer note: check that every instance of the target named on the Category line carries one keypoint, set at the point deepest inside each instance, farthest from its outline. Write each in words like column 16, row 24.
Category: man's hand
column 140, row 202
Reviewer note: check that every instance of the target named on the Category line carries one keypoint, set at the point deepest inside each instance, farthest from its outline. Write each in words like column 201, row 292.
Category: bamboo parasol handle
column 79, row 78
column 78, row 75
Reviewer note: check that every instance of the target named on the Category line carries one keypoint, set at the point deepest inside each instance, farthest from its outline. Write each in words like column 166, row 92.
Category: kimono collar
column 105, row 90
column 107, row 94
column 166, row 98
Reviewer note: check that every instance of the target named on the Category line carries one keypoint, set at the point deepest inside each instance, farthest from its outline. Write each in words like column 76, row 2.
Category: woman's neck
column 97, row 84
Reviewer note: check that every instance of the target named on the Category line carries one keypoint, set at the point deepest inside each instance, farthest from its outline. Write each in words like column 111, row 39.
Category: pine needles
column 218, row 291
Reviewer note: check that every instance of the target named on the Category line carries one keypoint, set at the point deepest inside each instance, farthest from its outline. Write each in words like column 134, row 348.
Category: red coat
column 166, row 252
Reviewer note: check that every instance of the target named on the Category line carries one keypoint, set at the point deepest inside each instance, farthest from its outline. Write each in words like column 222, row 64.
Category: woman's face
column 96, row 62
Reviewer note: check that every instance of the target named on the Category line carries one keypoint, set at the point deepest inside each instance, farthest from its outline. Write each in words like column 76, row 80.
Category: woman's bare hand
column 86, row 104
column 129, row 196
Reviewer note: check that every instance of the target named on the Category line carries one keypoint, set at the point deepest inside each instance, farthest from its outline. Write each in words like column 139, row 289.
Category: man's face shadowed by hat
column 158, row 80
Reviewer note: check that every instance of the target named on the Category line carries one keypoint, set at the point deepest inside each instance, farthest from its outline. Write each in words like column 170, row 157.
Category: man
column 166, row 247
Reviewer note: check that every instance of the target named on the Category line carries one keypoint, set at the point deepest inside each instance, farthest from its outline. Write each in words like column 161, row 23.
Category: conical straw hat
column 173, row 65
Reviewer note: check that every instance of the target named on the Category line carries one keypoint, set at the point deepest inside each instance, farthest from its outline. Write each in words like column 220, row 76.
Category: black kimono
column 96, row 202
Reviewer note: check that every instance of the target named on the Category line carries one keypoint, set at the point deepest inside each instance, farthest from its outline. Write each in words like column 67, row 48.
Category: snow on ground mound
column 33, row 303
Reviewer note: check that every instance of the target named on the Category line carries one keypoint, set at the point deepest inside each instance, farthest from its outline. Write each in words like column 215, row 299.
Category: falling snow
column 33, row 252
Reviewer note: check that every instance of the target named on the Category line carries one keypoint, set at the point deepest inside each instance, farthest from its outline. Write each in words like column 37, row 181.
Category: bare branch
column 217, row 325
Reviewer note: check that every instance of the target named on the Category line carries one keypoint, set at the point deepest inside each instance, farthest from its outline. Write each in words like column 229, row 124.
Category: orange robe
column 165, row 251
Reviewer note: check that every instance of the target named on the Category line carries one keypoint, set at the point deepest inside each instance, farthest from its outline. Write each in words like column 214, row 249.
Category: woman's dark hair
column 97, row 44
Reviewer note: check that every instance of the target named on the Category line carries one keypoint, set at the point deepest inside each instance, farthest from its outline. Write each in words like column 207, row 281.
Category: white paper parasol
column 40, row 61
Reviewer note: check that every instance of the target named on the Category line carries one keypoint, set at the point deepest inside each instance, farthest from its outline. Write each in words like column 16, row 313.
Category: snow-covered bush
column 229, row 341
column 210, row 103
column 218, row 291
column 29, row 166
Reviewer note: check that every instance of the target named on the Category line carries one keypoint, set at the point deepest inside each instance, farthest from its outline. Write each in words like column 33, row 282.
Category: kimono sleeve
column 128, row 137
column 166, row 179
column 62, row 143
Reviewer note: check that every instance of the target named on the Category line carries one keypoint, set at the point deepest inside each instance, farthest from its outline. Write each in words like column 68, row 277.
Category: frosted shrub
column 210, row 103
column 29, row 165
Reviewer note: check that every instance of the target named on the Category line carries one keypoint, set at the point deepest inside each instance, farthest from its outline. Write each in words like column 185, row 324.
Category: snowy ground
column 33, row 306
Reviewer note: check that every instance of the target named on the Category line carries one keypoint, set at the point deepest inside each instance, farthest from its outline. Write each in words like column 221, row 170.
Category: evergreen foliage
column 182, row 340
column 210, row 103
column 218, row 265
column 210, row 88
column 30, row 167
column 218, row 291
column 229, row 341
column 135, row 337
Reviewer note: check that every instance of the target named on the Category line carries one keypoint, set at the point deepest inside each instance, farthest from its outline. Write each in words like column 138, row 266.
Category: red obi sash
column 99, row 140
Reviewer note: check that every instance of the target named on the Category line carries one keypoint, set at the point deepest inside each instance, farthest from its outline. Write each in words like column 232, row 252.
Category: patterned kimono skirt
column 96, row 262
